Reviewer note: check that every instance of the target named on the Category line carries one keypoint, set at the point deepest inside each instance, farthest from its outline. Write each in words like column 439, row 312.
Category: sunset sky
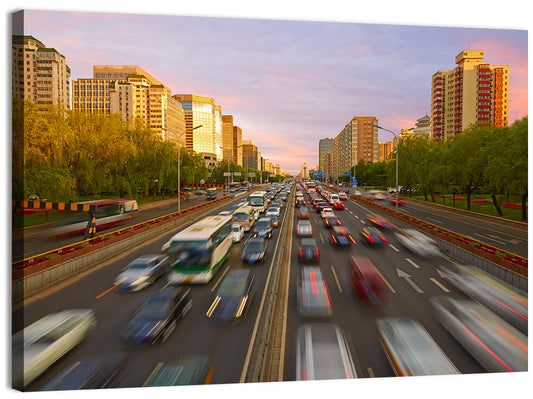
column 287, row 83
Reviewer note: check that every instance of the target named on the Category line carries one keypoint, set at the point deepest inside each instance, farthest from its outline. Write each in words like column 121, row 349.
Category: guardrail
column 507, row 260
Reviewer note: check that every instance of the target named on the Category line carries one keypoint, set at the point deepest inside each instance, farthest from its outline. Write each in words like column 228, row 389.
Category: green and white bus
column 197, row 252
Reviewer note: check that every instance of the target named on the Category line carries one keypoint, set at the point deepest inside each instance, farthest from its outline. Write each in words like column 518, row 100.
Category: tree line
column 61, row 155
column 481, row 160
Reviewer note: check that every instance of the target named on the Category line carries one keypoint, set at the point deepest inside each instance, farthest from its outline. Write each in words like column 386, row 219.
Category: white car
column 237, row 232
column 225, row 213
column 327, row 212
column 41, row 344
column 273, row 211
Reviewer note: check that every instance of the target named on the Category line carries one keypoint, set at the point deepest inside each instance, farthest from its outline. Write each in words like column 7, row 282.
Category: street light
column 397, row 144
column 179, row 168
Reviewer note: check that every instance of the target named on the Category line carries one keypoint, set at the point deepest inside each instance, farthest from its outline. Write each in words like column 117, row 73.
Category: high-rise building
column 203, row 123
column 39, row 74
column 237, row 145
column 227, row 137
column 133, row 93
column 385, row 150
column 249, row 154
column 473, row 92
column 324, row 146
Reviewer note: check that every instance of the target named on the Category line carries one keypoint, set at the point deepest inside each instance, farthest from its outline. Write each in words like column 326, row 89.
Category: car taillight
column 300, row 252
column 317, row 254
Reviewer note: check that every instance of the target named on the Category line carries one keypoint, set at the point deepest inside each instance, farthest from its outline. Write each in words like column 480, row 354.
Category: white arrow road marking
column 407, row 278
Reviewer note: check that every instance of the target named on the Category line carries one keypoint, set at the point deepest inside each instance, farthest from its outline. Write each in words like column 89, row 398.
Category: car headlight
column 140, row 280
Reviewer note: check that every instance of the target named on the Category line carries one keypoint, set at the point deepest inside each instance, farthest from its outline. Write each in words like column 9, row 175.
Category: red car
column 338, row 205
column 367, row 282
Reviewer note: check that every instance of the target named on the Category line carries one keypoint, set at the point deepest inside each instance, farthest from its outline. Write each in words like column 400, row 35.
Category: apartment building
column 473, row 92
column 324, row 146
column 237, row 145
column 39, row 74
column 203, row 123
column 136, row 95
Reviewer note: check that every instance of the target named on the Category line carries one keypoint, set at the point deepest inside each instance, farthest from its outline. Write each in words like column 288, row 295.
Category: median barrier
column 43, row 271
column 509, row 267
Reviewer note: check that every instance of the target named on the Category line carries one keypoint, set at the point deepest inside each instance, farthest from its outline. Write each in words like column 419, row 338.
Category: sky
column 287, row 83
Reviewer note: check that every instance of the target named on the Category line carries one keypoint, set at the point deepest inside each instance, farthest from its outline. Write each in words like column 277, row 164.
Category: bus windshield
column 241, row 217
column 191, row 253
column 256, row 201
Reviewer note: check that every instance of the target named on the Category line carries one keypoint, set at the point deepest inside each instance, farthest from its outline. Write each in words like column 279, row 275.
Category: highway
column 411, row 281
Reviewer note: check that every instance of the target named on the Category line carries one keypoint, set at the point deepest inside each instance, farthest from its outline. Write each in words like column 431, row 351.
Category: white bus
column 258, row 200
column 245, row 216
column 197, row 252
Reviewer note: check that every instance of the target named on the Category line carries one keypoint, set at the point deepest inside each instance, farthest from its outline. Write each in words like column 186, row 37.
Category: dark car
column 341, row 237
column 142, row 272
column 320, row 206
column 185, row 370
column 263, row 228
column 255, row 250
column 308, row 250
column 211, row 195
column 367, row 281
column 233, row 297
column 158, row 315
column 331, row 221
column 91, row 372
column 313, row 296
column 372, row 236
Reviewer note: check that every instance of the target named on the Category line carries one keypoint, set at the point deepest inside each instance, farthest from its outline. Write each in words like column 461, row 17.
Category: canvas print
column 213, row 200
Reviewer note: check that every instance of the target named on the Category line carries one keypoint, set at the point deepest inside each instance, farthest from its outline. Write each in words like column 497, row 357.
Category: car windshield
column 232, row 286
column 263, row 224
column 236, row 229
column 140, row 264
column 254, row 245
column 154, row 308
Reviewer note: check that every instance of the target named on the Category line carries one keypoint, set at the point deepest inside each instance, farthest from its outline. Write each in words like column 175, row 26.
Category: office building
column 473, row 92
column 227, row 137
column 324, row 146
column 237, row 145
column 39, row 74
column 203, row 123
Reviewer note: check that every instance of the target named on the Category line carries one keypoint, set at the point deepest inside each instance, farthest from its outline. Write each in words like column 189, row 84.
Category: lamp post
column 179, row 168
column 397, row 144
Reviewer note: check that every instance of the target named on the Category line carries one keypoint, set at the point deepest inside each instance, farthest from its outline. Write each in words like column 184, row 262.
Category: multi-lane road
column 411, row 282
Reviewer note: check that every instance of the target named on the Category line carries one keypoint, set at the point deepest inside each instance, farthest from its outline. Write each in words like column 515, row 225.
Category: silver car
column 41, row 344
column 304, row 228
column 142, row 272
column 313, row 296
column 322, row 353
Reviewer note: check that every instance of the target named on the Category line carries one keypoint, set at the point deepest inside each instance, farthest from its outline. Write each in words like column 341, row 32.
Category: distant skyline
column 287, row 84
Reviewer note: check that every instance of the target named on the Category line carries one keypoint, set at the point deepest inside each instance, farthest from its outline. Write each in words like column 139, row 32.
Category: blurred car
column 233, row 297
column 327, row 212
column 142, row 272
column 303, row 212
column 372, row 236
column 91, row 372
column 225, row 213
column 42, row 343
column 275, row 220
column 338, row 205
column 185, row 370
column 341, row 237
column 157, row 316
column 313, row 297
column 304, row 228
column 367, row 282
column 493, row 342
column 255, row 250
column 332, row 221
column 322, row 353
column 263, row 228
column 299, row 202
column 410, row 349
column 273, row 211
column 343, row 196
column 278, row 203
column 506, row 301
column 417, row 243
column 320, row 205
column 308, row 250
column 237, row 232
column 211, row 195
column 380, row 223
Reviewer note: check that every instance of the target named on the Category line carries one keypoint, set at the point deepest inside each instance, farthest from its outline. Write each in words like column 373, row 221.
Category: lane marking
column 386, row 282
column 370, row 372
column 321, row 238
column 393, row 247
column 106, row 292
column 490, row 239
column 336, row 278
column 440, row 285
column 412, row 263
